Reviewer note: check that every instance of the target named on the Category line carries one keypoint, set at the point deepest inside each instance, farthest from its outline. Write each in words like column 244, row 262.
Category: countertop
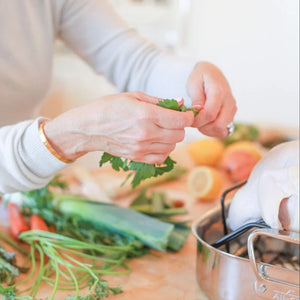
column 160, row 276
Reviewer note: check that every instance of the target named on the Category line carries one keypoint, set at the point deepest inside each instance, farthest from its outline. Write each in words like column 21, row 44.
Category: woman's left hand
column 211, row 94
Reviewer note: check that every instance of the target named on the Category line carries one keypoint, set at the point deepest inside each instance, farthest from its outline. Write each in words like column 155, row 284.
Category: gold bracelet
column 48, row 145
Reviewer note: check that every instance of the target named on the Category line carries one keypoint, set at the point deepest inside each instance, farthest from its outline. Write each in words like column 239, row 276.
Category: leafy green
column 142, row 170
column 9, row 271
column 8, row 267
column 85, row 247
column 173, row 104
column 100, row 290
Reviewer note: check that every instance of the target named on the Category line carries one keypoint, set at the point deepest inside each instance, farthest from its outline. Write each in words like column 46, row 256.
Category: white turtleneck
column 28, row 29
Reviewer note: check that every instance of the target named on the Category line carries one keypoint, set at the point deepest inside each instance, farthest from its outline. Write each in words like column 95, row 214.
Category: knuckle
column 152, row 160
column 223, row 133
column 157, row 159
column 221, row 130
column 143, row 134
column 138, row 94
column 211, row 115
column 161, row 158
column 172, row 147
column 145, row 113
column 181, row 135
column 138, row 148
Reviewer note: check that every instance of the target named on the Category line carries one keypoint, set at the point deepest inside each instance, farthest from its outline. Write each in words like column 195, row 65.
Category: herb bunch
column 142, row 171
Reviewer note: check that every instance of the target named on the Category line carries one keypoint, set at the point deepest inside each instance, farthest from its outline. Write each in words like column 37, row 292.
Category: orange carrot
column 37, row 223
column 16, row 220
column 52, row 228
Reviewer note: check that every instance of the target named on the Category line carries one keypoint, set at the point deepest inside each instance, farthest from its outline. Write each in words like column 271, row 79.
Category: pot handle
column 274, row 282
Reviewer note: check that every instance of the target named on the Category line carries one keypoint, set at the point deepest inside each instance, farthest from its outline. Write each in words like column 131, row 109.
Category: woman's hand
column 128, row 125
column 211, row 94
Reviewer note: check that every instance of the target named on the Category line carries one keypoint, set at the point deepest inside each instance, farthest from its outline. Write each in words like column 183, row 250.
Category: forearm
column 25, row 162
column 96, row 33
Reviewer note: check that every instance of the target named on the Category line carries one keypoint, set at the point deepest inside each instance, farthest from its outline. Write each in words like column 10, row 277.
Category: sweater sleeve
column 25, row 162
column 93, row 30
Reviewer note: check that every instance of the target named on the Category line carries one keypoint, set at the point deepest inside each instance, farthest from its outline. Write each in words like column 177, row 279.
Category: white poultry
column 272, row 191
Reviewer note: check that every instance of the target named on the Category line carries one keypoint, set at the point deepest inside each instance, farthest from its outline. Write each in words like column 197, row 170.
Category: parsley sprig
column 173, row 104
column 141, row 170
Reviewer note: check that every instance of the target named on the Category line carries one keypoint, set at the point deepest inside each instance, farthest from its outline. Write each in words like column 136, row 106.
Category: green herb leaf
column 143, row 170
column 173, row 104
column 169, row 103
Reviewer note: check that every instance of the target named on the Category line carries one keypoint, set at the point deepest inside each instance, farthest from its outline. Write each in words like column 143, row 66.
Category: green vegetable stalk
column 150, row 231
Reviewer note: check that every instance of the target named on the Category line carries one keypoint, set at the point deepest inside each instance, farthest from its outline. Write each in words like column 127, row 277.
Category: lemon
column 205, row 183
column 206, row 152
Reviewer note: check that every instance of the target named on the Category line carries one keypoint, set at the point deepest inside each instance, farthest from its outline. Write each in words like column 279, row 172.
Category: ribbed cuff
column 36, row 156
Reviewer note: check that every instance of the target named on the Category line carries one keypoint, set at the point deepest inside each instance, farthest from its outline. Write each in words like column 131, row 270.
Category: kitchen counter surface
column 159, row 276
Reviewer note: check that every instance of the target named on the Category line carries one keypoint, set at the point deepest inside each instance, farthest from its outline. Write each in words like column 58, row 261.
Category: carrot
column 37, row 223
column 16, row 220
column 52, row 228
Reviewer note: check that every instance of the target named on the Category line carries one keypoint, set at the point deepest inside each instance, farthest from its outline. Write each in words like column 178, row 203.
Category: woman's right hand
column 128, row 125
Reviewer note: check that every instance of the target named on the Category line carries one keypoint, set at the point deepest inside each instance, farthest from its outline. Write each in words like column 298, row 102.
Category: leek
column 152, row 232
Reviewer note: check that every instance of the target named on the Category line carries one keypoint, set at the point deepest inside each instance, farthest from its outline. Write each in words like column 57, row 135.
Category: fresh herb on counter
column 8, row 267
column 76, row 264
column 141, row 170
column 102, row 290
column 91, row 239
column 9, row 271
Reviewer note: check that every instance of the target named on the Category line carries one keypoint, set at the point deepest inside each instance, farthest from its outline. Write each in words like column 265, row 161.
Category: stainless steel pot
column 226, row 276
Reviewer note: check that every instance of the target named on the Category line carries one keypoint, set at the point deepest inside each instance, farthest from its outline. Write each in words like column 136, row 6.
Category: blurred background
column 254, row 42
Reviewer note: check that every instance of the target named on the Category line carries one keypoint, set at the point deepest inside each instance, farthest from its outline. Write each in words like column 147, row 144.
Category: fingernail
column 197, row 106
column 180, row 100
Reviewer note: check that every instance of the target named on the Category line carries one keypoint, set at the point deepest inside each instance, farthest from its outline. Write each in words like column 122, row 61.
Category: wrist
column 60, row 141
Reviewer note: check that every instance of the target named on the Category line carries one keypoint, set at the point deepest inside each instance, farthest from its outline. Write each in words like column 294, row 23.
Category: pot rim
column 195, row 225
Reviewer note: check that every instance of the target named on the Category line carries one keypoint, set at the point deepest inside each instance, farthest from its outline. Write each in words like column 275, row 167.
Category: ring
column 230, row 128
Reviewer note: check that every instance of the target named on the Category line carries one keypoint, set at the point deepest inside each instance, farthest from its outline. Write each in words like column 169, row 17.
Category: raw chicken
column 272, row 191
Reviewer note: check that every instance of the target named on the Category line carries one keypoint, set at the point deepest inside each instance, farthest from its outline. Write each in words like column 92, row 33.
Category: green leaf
column 169, row 103
column 116, row 162
column 143, row 171
column 173, row 104
column 105, row 158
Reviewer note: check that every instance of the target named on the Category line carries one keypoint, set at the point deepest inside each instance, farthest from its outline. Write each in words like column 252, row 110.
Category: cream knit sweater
column 28, row 29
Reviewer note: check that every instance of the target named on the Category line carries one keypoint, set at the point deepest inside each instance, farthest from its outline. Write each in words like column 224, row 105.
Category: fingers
column 208, row 87
column 165, row 118
column 158, row 134
column 172, row 119
column 156, row 152
column 144, row 97
column 154, row 158
column 218, row 127
column 211, row 109
column 196, row 90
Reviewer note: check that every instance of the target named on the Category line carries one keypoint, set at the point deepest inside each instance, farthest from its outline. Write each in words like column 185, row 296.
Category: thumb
column 196, row 91
column 172, row 119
